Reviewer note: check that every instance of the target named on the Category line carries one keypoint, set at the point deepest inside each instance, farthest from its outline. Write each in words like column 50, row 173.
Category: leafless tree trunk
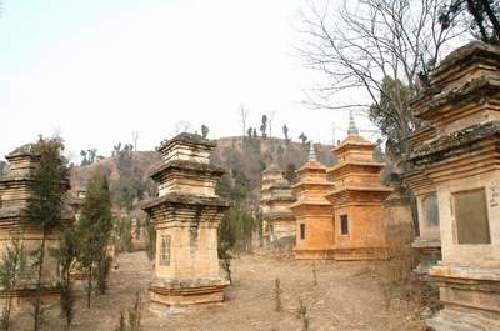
column 243, row 115
column 135, row 137
column 270, row 121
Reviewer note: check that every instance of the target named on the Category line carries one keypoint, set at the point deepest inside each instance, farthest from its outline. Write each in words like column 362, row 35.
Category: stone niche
column 276, row 200
column 313, row 212
column 357, row 199
column 15, row 196
column 455, row 168
column 186, row 216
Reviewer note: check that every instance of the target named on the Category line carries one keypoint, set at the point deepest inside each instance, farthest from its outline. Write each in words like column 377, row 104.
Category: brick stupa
column 269, row 176
column 460, row 160
column 186, row 216
column 313, row 212
column 358, row 200
column 278, row 216
column 15, row 196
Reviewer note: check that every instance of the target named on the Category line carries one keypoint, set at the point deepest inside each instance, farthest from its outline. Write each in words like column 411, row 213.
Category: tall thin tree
column 94, row 228
column 44, row 211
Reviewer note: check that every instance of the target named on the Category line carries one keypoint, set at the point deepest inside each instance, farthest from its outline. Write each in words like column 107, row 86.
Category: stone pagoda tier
column 269, row 177
column 357, row 199
column 313, row 212
column 458, row 158
column 278, row 215
column 186, row 216
column 15, row 196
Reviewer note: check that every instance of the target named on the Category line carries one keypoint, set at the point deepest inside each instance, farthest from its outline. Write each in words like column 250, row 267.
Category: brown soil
column 347, row 296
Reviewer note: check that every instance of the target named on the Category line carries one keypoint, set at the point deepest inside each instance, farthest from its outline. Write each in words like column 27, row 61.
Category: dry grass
column 345, row 298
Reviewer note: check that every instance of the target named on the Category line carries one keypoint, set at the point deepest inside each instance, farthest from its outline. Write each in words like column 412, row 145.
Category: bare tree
column 303, row 138
column 204, row 131
column 270, row 121
column 135, row 137
column 380, row 47
column 243, row 112
column 263, row 126
column 285, row 131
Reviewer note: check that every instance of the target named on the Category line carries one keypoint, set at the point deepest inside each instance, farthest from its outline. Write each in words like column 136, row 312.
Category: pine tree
column 44, row 211
column 67, row 253
column 94, row 230
column 12, row 268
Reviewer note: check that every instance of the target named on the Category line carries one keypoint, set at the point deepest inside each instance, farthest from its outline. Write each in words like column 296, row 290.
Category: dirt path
column 346, row 297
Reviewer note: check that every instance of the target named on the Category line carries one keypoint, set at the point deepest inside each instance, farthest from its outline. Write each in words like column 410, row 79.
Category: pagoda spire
column 312, row 152
column 353, row 130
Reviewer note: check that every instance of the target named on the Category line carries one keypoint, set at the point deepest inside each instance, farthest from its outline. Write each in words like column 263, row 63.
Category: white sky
column 96, row 70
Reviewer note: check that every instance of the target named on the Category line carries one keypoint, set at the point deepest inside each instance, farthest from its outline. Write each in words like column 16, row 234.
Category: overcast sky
column 94, row 71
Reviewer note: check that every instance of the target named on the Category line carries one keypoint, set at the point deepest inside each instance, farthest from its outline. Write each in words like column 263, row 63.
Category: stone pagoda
column 428, row 242
column 313, row 212
column 15, row 196
column 458, row 158
column 269, row 177
column 357, row 200
column 186, row 215
column 278, row 216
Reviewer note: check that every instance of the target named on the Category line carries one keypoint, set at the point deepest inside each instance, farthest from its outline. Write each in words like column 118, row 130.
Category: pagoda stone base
column 309, row 254
column 24, row 298
column 429, row 253
column 344, row 254
column 463, row 319
column 471, row 297
column 187, row 292
column 361, row 254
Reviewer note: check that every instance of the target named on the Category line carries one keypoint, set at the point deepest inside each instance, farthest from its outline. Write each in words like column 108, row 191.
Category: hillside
column 248, row 157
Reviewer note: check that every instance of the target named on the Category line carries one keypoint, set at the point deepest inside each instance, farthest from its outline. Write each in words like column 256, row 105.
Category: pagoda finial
column 312, row 152
column 353, row 130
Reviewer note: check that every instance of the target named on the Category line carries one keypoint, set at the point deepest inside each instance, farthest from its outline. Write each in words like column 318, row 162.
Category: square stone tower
column 358, row 196
column 15, row 197
column 186, row 215
column 278, row 215
column 313, row 212
column 459, row 159
column 269, row 176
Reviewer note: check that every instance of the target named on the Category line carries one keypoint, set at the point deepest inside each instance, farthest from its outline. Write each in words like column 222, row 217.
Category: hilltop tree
column 48, row 186
column 204, row 131
column 135, row 137
column 94, row 231
column 303, row 138
column 284, row 128
column 263, row 126
column 243, row 112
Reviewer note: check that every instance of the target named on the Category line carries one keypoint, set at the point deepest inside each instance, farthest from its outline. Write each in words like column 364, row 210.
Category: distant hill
column 128, row 172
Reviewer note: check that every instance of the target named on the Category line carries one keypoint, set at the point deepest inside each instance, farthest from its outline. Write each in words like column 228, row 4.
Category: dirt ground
column 347, row 296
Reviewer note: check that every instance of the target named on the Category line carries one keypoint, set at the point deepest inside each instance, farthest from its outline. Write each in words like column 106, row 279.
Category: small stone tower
column 186, row 215
column 269, row 176
column 15, row 196
column 358, row 199
column 313, row 213
column 278, row 216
